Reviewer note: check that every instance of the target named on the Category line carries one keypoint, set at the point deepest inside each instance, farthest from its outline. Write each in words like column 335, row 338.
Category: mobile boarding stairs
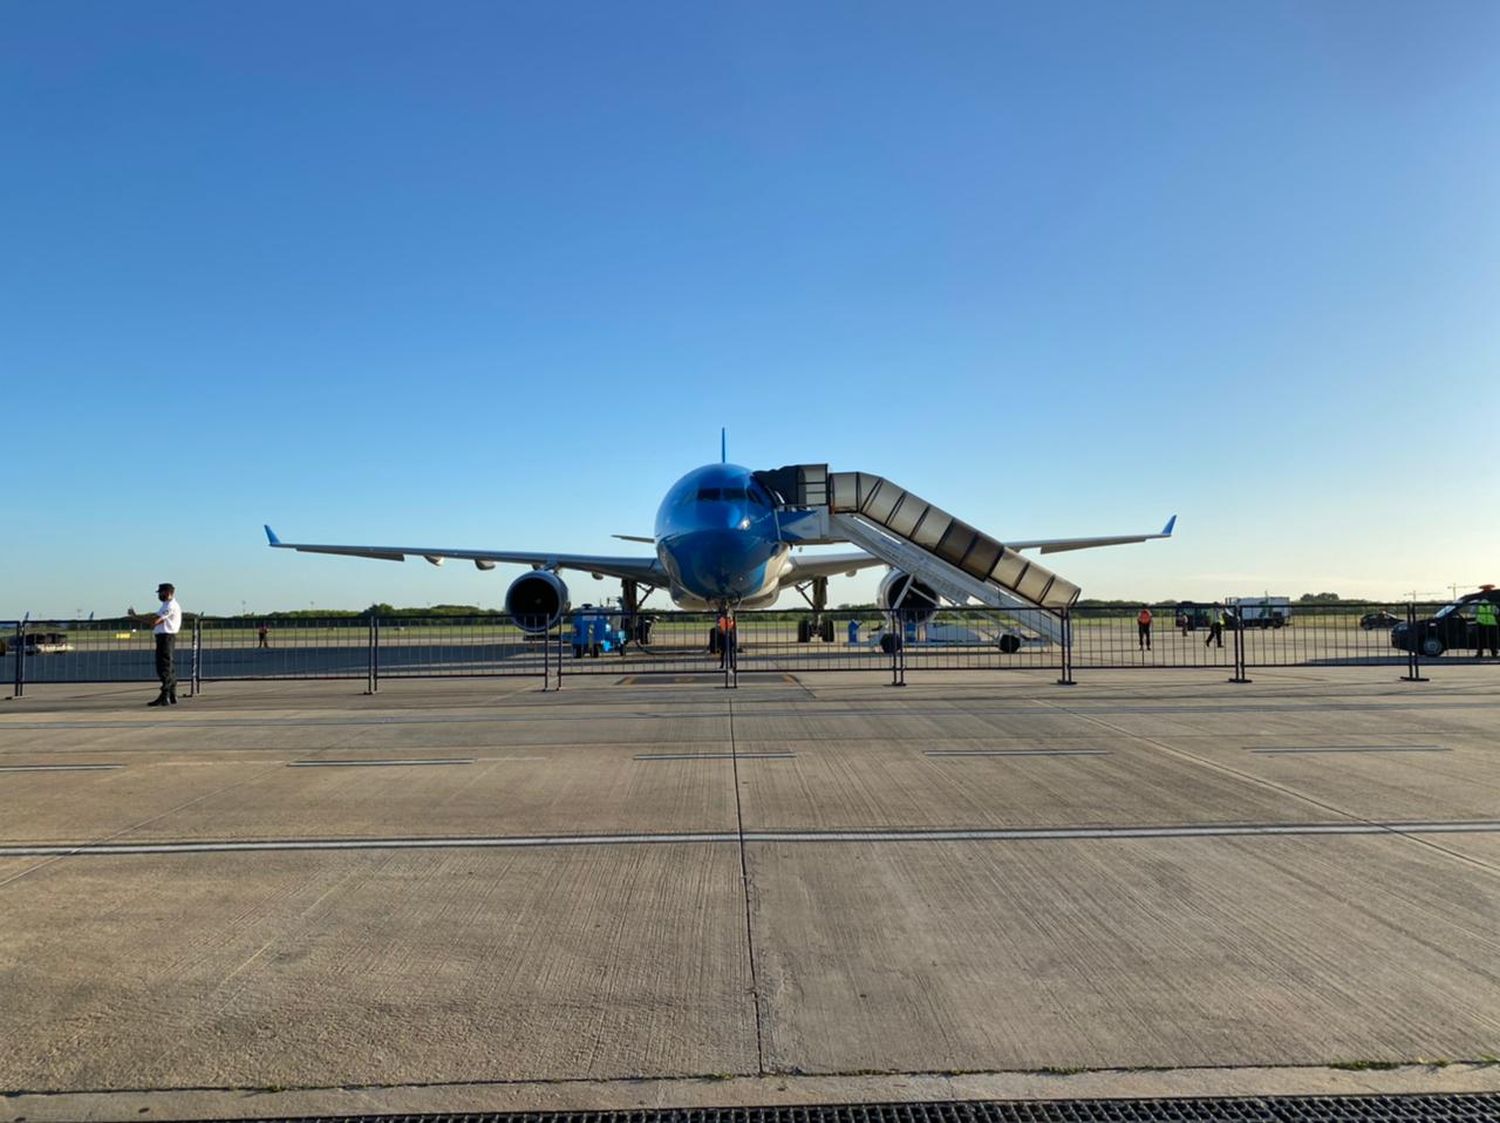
column 957, row 561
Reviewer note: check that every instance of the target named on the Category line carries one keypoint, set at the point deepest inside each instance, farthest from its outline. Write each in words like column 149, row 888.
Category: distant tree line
column 384, row 611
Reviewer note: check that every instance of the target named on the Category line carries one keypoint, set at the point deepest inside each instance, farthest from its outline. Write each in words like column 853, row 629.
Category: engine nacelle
column 912, row 597
column 536, row 600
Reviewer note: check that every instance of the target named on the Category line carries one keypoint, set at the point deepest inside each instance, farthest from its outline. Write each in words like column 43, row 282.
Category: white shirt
column 169, row 618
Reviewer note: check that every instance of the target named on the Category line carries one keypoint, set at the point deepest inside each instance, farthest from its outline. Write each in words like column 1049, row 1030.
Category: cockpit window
column 727, row 494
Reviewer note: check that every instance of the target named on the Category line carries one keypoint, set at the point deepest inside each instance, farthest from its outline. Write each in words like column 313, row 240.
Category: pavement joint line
column 1351, row 749
column 715, row 756
column 1016, row 752
column 263, row 772
column 1262, row 781
column 375, row 763
column 999, row 834
column 59, row 767
column 739, row 825
column 1083, row 708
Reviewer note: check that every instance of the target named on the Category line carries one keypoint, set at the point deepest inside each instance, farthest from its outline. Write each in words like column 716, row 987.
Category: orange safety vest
column 726, row 623
column 1144, row 617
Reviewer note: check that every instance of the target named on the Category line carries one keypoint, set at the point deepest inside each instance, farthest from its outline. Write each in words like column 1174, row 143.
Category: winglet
column 271, row 539
column 1166, row 531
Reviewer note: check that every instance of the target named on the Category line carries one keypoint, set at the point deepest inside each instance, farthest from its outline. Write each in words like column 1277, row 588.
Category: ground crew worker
column 1488, row 632
column 1216, row 622
column 264, row 633
column 726, row 638
column 165, row 625
column 1143, row 629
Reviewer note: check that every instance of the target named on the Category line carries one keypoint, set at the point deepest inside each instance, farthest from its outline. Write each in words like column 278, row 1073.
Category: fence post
column 373, row 679
column 562, row 628
column 1239, row 649
column 1065, row 668
column 195, row 685
column 898, row 647
column 546, row 659
column 1414, row 647
column 20, row 684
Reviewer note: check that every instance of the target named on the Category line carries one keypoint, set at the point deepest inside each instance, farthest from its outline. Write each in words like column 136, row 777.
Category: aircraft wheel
column 1010, row 644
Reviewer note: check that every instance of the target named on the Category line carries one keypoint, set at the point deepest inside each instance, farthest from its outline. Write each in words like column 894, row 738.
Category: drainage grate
column 1456, row 1108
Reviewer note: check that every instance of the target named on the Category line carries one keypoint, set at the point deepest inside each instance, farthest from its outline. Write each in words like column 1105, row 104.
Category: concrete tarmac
column 469, row 894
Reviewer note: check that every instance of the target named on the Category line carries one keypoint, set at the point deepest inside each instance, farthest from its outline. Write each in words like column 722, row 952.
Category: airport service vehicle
column 1260, row 612
column 727, row 537
column 40, row 643
column 595, row 632
column 1450, row 628
column 1381, row 619
column 917, row 631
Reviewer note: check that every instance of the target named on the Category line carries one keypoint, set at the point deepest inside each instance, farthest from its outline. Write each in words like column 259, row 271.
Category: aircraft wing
column 833, row 565
column 827, row 565
column 648, row 570
column 1056, row 545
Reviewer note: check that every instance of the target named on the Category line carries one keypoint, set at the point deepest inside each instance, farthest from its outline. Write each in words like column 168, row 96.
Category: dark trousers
column 166, row 645
column 1487, row 636
column 1144, row 639
column 1215, row 635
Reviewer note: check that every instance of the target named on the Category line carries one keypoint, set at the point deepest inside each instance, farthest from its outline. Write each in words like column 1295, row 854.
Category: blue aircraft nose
column 721, row 564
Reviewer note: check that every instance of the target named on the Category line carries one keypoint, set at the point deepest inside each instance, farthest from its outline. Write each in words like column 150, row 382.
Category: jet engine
column 536, row 600
column 908, row 595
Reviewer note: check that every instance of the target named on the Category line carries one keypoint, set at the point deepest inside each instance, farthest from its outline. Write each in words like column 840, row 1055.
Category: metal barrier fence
column 689, row 644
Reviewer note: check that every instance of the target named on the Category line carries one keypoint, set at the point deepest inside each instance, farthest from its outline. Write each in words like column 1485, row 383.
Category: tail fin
column 723, row 446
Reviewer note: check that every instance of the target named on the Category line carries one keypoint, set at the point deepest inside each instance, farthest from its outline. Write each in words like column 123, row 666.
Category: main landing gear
column 819, row 625
column 637, row 627
column 809, row 629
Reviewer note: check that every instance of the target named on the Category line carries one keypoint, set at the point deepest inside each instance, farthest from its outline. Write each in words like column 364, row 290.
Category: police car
column 1452, row 627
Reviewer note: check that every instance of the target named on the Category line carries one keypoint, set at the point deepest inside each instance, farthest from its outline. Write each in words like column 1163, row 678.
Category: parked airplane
column 722, row 541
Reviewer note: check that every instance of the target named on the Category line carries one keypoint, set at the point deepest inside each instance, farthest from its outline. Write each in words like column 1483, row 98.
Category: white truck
column 1261, row 612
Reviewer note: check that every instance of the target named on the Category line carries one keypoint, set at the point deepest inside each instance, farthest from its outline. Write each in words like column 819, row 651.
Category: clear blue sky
column 485, row 274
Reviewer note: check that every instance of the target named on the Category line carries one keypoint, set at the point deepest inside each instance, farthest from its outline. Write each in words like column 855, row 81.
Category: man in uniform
column 1487, row 630
column 165, row 625
column 1216, row 621
column 1143, row 629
